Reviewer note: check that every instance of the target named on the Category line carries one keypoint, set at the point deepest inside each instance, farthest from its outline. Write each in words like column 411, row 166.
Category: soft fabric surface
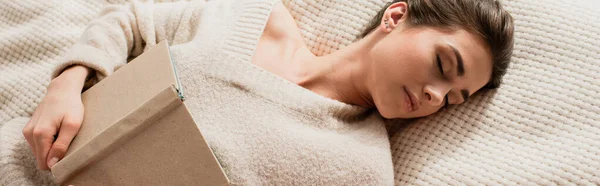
column 263, row 129
column 541, row 127
column 33, row 36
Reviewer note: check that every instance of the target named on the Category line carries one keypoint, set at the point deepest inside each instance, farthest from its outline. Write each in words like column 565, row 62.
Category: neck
column 341, row 75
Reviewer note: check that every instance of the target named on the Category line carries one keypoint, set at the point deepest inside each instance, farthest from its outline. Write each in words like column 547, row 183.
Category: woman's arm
column 124, row 31
column 61, row 111
column 121, row 32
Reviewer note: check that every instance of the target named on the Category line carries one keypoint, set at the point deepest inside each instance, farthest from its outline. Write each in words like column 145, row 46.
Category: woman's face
column 415, row 71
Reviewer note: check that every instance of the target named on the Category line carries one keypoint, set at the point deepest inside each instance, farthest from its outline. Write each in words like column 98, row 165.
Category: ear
column 393, row 16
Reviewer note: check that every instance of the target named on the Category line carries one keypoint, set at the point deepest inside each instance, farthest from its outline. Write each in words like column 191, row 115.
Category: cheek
column 403, row 67
column 397, row 65
column 415, row 63
column 387, row 99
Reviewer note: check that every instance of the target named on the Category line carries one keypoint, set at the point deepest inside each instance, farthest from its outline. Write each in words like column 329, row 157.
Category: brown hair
column 486, row 18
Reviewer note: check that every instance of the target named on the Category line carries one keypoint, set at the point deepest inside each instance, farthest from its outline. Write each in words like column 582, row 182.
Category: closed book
column 137, row 130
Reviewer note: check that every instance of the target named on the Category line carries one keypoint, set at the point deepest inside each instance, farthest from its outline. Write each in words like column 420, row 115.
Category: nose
column 434, row 94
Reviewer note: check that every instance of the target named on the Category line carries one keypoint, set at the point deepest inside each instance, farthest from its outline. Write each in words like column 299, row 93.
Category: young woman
column 274, row 112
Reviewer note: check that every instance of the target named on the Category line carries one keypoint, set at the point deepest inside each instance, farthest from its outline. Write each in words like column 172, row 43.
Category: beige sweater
column 262, row 128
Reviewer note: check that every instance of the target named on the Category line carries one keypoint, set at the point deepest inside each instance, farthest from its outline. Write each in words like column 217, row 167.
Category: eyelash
column 439, row 63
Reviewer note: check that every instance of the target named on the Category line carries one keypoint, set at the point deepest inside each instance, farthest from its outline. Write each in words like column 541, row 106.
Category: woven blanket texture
column 542, row 127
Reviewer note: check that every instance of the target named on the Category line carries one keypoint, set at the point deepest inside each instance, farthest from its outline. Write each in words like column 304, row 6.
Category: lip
column 411, row 101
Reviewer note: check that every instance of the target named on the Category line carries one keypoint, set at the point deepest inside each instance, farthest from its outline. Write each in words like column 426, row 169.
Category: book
column 137, row 130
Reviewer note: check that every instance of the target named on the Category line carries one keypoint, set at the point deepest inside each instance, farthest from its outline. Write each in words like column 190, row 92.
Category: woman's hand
column 58, row 117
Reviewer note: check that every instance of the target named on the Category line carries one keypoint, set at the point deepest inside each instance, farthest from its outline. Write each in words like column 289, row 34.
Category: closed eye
column 441, row 68
column 439, row 63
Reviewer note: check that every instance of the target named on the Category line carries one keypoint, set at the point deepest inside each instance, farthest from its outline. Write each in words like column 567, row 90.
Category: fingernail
column 52, row 162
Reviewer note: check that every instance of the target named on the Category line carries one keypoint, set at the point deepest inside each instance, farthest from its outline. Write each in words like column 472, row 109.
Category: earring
column 387, row 25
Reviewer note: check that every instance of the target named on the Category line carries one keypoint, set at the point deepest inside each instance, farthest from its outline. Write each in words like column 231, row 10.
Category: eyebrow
column 465, row 95
column 459, row 61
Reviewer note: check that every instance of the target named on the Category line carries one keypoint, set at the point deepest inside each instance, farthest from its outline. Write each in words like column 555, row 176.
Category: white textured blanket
column 33, row 35
column 541, row 127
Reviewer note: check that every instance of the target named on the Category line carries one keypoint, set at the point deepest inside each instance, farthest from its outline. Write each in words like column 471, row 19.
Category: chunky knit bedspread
column 541, row 127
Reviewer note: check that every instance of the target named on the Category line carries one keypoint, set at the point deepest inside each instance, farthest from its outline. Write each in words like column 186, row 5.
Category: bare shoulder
column 279, row 8
column 281, row 24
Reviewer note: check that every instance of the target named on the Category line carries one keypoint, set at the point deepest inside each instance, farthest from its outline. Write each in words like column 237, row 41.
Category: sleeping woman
column 272, row 111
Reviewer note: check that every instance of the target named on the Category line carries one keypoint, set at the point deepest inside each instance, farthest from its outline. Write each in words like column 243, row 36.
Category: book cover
column 138, row 131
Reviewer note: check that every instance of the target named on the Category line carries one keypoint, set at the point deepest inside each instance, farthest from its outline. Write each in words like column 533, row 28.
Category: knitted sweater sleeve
column 125, row 31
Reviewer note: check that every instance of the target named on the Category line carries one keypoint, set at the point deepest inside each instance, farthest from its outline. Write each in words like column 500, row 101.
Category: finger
column 28, row 129
column 43, row 136
column 67, row 132
column 28, row 134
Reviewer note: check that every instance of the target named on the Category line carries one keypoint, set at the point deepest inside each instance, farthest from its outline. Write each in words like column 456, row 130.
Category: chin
column 386, row 116
column 388, row 110
column 391, row 113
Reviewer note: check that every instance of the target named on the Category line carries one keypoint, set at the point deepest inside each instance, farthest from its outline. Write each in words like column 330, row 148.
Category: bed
column 542, row 127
